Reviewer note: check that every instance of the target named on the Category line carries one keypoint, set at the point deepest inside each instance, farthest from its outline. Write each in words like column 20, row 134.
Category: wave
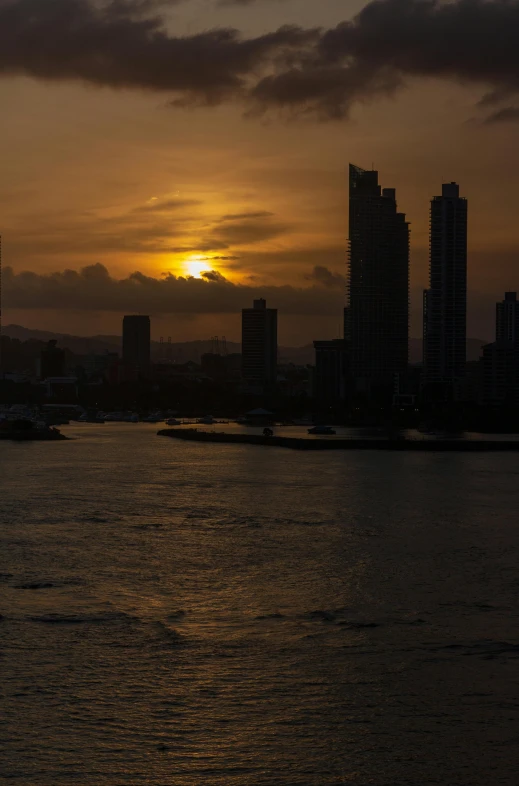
column 359, row 625
column 275, row 616
column 176, row 615
column 95, row 618
column 323, row 615
column 485, row 648
column 170, row 635
column 49, row 584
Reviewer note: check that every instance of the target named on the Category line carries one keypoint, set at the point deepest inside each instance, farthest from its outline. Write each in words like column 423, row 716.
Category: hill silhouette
column 183, row 351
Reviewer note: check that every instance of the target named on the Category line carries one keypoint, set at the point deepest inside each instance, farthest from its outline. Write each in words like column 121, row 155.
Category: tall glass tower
column 377, row 314
column 445, row 302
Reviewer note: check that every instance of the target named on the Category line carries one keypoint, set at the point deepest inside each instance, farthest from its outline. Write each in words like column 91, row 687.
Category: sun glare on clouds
column 195, row 267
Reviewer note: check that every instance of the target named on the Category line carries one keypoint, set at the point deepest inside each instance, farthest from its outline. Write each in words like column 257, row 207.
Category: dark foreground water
column 184, row 614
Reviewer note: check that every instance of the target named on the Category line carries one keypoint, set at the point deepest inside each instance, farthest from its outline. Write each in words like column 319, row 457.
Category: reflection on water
column 350, row 432
column 177, row 613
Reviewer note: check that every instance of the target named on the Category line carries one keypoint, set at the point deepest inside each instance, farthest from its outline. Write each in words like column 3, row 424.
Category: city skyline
column 333, row 292
column 124, row 176
column 249, row 535
column 129, row 179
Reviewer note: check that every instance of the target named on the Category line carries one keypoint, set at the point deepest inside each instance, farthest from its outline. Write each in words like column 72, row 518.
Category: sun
column 195, row 267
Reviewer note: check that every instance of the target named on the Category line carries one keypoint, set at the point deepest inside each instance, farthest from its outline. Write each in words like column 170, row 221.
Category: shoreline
column 33, row 436
column 299, row 443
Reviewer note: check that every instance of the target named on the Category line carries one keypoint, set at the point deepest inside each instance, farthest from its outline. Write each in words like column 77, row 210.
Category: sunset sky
column 143, row 142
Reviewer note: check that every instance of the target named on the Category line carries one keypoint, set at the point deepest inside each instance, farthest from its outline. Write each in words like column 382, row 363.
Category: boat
column 207, row 421
column 173, row 422
column 154, row 417
column 91, row 417
column 322, row 430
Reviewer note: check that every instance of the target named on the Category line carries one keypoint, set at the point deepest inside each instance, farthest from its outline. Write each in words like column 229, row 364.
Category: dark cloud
column 245, row 232
column 157, row 227
column 392, row 41
column 125, row 44
column 225, row 259
column 93, row 289
column 509, row 114
column 93, row 234
column 329, row 92
column 321, row 275
column 121, row 45
column 212, row 275
column 239, row 216
column 226, row 3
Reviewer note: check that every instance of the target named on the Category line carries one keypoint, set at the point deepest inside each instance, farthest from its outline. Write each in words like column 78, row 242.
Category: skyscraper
column 136, row 343
column 501, row 359
column 445, row 302
column 377, row 315
column 259, row 343
column 507, row 318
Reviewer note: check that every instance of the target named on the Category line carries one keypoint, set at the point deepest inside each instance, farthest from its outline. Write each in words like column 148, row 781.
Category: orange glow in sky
column 131, row 180
column 195, row 267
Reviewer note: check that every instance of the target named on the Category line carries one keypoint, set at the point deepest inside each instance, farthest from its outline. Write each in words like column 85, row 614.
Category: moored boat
column 321, row 430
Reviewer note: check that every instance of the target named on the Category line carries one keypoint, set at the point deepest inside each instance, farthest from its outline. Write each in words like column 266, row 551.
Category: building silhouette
column 500, row 361
column 136, row 344
column 377, row 313
column 445, row 302
column 332, row 370
column 101, row 364
column 52, row 361
column 507, row 318
column 259, row 344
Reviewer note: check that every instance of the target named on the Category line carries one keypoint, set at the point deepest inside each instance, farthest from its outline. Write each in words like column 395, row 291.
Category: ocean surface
column 180, row 614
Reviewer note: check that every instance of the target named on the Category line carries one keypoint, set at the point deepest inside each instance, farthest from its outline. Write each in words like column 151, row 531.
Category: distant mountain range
column 182, row 351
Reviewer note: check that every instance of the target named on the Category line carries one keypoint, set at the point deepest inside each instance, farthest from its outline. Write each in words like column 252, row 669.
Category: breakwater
column 33, row 435
column 301, row 443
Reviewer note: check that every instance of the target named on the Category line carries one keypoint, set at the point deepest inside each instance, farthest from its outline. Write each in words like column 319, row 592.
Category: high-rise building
column 332, row 360
column 445, row 302
column 500, row 373
column 500, row 361
column 507, row 318
column 377, row 315
column 259, row 343
column 136, row 343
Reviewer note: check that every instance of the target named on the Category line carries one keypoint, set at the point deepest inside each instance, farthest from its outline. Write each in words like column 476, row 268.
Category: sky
column 182, row 158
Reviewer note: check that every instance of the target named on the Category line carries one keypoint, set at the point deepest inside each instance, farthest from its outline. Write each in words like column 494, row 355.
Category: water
column 349, row 432
column 185, row 614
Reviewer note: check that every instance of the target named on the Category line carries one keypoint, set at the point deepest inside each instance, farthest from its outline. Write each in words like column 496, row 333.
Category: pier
column 337, row 443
